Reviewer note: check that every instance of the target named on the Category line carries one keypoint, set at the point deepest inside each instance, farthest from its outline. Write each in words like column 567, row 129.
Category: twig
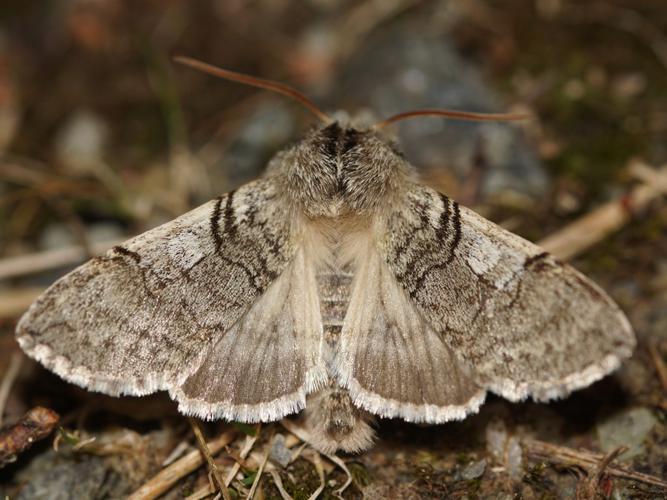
column 629, row 21
column 585, row 459
column 168, row 476
column 15, row 301
column 212, row 466
column 181, row 448
column 339, row 462
column 203, row 492
column 596, row 225
column 304, row 436
column 300, row 433
column 51, row 259
column 8, row 381
column 471, row 190
column 649, row 175
column 659, row 364
column 589, row 487
column 82, row 444
column 291, row 441
column 297, row 452
column 247, row 446
column 72, row 220
column 295, row 429
column 662, row 404
column 279, row 484
column 314, row 458
column 258, row 474
column 35, row 425
column 364, row 18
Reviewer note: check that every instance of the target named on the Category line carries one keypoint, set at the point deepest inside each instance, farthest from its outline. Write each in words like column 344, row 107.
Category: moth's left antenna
column 254, row 82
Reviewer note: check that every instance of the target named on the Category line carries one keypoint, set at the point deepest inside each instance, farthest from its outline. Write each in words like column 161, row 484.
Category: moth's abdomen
column 331, row 418
column 333, row 286
column 335, row 423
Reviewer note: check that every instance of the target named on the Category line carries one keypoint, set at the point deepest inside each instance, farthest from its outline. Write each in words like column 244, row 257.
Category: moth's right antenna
column 453, row 114
column 255, row 82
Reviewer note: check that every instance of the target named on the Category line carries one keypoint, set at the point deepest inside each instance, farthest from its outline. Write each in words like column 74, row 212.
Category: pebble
column 399, row 71
column 629, row 428
column 81, row 142
column 505, row 448
column 280, row 453
column 404, row 69
column 83, row 479
column 474, row 470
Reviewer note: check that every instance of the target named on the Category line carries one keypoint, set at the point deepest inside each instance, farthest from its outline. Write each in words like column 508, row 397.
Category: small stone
column 499, row 496
column 402, row 68
column 103, row 231
column 474, row 470
column 10, row 108
column 377, row 491
column 628, row 86
column 56, row 235
column 496, row 438
column 527, row 493
column 626, row 428
column 514, row 461
column 59, row 235
column 504, row 448
column 270, row 127
column 62, row 478
column 280, row 454
column 574, row 89
column 81, row 143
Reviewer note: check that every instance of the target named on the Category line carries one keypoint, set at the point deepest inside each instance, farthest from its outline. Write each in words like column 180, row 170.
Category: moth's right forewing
column 145, row 316
column 526, row 323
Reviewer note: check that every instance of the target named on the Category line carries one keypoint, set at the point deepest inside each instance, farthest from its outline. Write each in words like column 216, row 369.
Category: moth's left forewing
column 527, row 324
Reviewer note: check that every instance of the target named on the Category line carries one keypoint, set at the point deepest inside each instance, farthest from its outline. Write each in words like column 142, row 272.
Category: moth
column 335, row 284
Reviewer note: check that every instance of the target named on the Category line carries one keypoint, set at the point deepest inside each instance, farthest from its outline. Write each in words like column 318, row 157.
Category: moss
column 248, row 479
column 306, row 480
column 431, row 483
column 536, row 478
column 595, row 144
column 360, row 475
column 464, row 458
column 247, row 429
column 588, row 121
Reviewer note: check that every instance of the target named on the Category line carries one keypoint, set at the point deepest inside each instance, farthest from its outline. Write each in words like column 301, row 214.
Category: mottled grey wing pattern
column 525, row 323
column 168, row 305
column 392, row 361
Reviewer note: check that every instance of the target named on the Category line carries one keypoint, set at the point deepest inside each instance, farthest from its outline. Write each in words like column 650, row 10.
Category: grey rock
column 403, row 69
column 629, row 427
column 280, row 453
column 85, row 479
column 504, row 448
column 474, row 470
column 10, row 105
column 81, row 143
column 499, row 496
column 59, row 235
column 267, row 130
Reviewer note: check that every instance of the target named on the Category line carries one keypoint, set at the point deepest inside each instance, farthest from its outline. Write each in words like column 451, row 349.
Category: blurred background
column 102, row 136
